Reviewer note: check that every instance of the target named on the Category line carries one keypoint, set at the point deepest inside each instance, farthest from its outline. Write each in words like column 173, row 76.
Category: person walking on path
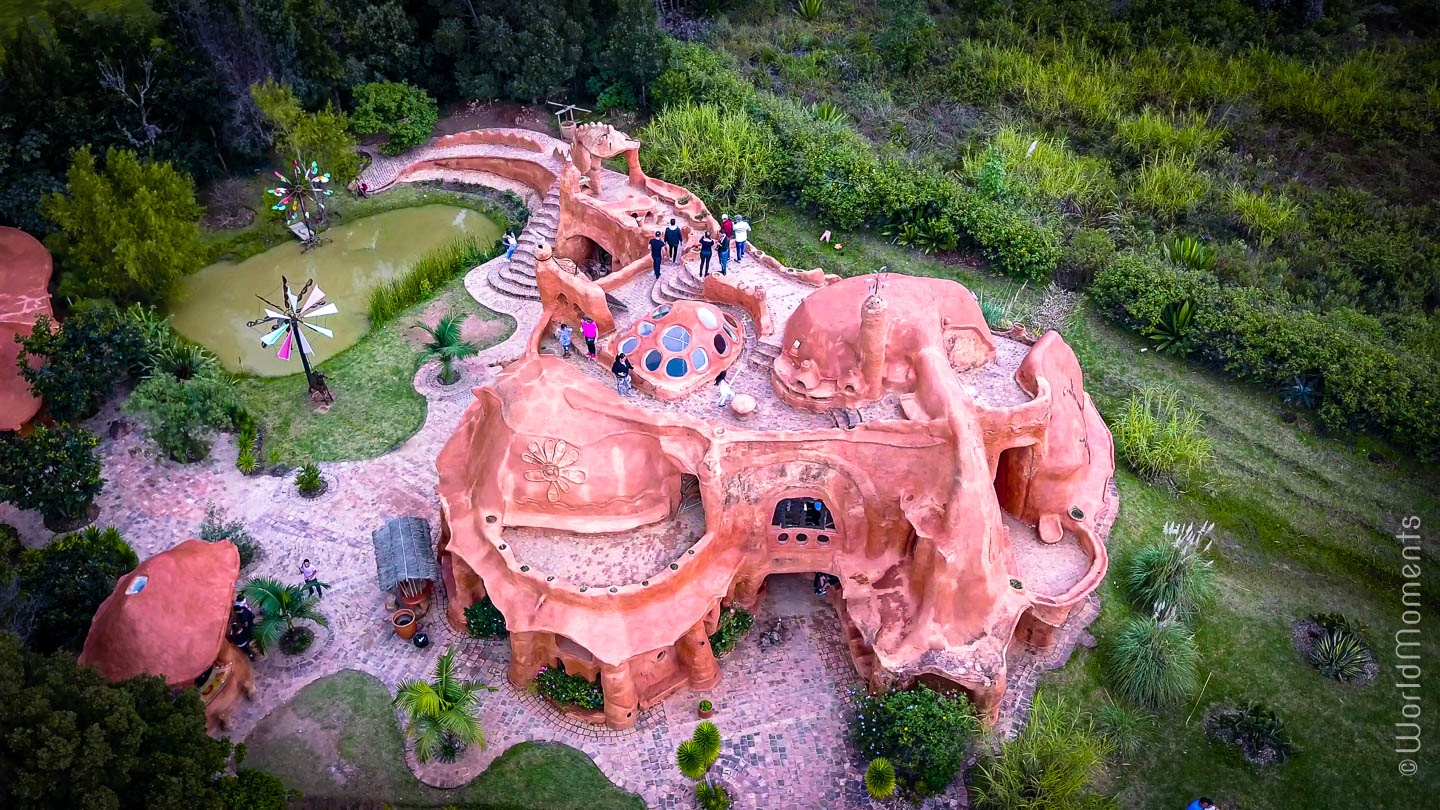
column 742, row 236
column 726, row 392
column 621, row 369
column 707, row 247
column 565, row 338
column 672, row 241
column 510, row 243
column 589, row 331
column 313, row 585
column 722, row 249
column 656, row 245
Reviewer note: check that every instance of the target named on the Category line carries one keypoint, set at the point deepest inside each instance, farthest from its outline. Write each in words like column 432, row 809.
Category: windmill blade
column 324, row 309
column 270, row 339
column 270, row 313
column 284, row 353
column 294, row 303
column 304, row 344
column 315, row 297
column 330, row 333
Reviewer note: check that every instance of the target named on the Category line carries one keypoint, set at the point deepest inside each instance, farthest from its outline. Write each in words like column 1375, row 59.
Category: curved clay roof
column 24, row 296
column 168, row 616
column 682, row 344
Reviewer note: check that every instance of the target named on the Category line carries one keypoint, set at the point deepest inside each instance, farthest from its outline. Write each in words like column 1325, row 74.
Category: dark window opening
column 803, row 513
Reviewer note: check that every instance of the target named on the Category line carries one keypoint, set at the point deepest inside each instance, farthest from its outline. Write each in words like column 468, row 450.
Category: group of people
column 734, row 234
column 241, row 631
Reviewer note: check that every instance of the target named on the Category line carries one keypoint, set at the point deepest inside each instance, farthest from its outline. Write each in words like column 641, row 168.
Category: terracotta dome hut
column 168, row 617
column 24, row 296
column 681, row 346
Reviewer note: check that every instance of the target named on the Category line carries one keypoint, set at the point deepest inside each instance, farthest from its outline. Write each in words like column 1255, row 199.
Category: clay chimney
column 873, row 326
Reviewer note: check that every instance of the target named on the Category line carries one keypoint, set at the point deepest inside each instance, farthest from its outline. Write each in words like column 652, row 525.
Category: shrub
column 179, row 414
column 1341, row 654
column 250, row 789
column 1127, row 728
column 1151, row 132
column 1168, row 186
column 734, row 623
column 697, row 74
column 484, row 620
column 566, row 689
column 1172, row 575
column 1263, row 215
column 81, row 364
column 880, row 778
column 712, row 797
column 424, row 278
column 322, row 137
column 308, row 480
column 1152, row 662
column 1255, row 728
column 130, row 230
column 1161, row 439
column 405, row 113
column 68, row 579
column 216, row 528
column 1089, row 251
column 718, row 151
column 924, row 734
column 1048, row 170
column 1053, row 764
column 52, row 470
column 1013, row 242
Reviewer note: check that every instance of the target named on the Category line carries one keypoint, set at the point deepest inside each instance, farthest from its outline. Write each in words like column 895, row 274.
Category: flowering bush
column 484, row 620
column 924, row 734
column 734, row 623
column 562, row 687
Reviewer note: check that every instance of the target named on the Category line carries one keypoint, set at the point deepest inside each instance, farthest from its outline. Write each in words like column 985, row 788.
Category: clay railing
column 499, row 137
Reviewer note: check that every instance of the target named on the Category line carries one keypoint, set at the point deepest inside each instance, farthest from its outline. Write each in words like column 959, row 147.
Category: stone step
column 513, row 290
column 519, row 275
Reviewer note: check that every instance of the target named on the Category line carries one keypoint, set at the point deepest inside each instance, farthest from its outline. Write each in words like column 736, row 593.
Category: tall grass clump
column 424, row 278
column 1047, row 168
column 1128, row 728
column 1172, row 575
column 1054, row 764
column 1152, row 132
column 1162, row 439
column 1152, row 661
column 1264, row 215
column 1169, row 185
column 721, row 153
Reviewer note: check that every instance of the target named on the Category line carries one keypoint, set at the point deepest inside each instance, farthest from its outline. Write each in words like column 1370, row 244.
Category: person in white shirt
column 726, row 392
column 742, row 236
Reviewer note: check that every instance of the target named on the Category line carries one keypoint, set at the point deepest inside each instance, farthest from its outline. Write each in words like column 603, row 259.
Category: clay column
column 872, row 345
column 632, row 163
column 528, row 653
column 621, row 701
column 697, row 658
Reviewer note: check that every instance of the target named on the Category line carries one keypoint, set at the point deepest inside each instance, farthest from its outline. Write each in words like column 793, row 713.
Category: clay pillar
column 528, row 653
column 632, row 163
column 697, row 658
column 622, row 702
column 747, row 591
column 872, row 345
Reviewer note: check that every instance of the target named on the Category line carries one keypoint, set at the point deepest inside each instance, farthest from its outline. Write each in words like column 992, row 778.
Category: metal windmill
column 288, row 317
column 566, row 112
column 304, row 194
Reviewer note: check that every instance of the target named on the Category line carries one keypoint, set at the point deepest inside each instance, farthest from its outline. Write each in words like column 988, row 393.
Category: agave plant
column 880, row 778
column 1187, row 251
column 281, row 606
column 1170, row 331
column 446, row 346
column 829, row 112
column 908, row 235
column 1256, row 728
column 1342, row 655
column 442, row 712
column 183, row 361
column 809, row 10
column 1302, row 391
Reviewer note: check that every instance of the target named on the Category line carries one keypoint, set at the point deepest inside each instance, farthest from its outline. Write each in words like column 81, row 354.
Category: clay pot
column 405, row 623
column 705, row 713
column 417, row 603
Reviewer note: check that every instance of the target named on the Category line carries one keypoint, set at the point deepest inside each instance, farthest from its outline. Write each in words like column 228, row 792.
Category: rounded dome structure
column 681, row 345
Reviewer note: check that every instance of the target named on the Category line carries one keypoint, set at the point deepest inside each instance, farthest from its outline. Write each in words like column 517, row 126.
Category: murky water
column 213, row 305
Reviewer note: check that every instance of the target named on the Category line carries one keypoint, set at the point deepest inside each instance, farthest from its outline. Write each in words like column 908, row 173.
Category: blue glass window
column 645, row 328
column 630, row 344
column 652, row 360
column 707, row 317
column 677, row 367
column 699, row 359
column 661, row 312
column 676, row 338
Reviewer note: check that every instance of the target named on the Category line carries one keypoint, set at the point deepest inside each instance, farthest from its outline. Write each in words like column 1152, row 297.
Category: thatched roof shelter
column 168, row 616
column 403, row 552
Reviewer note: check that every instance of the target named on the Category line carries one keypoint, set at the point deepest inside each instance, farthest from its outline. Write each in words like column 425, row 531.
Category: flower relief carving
column 553, row 464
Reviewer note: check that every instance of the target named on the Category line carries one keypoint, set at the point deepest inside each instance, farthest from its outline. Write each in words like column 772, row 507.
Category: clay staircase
column 676, row 283
column 847, row 418
column 516, row 278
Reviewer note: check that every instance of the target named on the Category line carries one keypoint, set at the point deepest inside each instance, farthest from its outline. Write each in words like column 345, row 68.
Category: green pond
column 212, row 305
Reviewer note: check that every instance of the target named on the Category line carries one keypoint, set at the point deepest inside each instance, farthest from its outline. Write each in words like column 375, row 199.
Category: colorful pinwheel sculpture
column 304, row 194
column 287, row 319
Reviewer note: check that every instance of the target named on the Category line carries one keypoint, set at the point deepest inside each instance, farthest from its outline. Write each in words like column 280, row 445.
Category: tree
column 442, row 713
column 634, row 49
column 52, row 470
column 446, row 346
column 180, row 414
column 81, row 364
column 527, row 52
column 378, row 42
column 695, row 757
column 280, row 607
column 407, row 114
column 68, row 579
column 250, row 789
column 299, row 135
column 70, row 738
column 129, row 230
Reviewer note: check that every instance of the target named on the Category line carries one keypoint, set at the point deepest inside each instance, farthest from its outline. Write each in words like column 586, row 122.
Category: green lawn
column 1303, row 525
column 376, row 406
column 337, row 741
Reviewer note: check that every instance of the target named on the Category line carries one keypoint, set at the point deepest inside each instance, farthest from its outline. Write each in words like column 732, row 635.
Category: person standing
column 589, row 331
column 312, row 584
column 1202, row 803
column 510, row 243
column 727, row 227
column 672, row 241
column 656, row 245
column 565, row 338
column 621, row 368
column 727, row 393
column 241, row 634
column 707, row 247
column 742, row 236
column 722, row 249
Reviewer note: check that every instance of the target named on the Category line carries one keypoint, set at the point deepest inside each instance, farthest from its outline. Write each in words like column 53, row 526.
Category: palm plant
column 880, row 778
column 446, row 346
column 280, row 607
column 442, row 713
column 695, row 756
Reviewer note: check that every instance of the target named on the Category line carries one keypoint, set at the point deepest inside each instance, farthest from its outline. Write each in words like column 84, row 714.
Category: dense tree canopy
column 67, row 580
column 75, row 368
column 404, row 112
column 53, row 470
